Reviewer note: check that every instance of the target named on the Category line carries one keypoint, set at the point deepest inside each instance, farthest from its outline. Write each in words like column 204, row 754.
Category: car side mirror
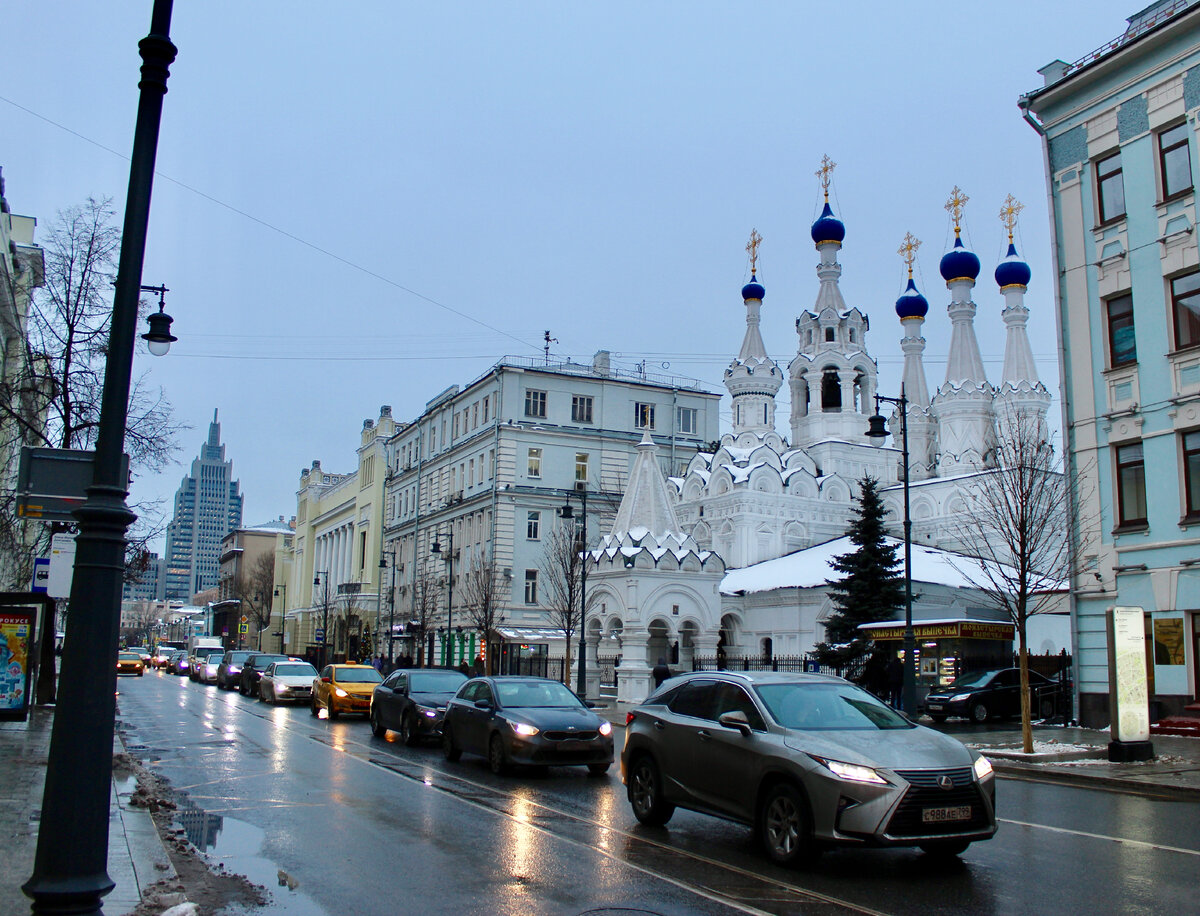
column 735, row 719
column 326, row 680
column 483, row 704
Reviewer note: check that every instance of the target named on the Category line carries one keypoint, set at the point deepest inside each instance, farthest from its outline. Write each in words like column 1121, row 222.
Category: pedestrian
column 464, row 668
column 477, row 667
column 377, row 662
column 661, row 672
column 895, row 678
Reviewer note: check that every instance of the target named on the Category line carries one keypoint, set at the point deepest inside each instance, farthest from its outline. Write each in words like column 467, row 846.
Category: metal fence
column 792, row 663
column 533, row 666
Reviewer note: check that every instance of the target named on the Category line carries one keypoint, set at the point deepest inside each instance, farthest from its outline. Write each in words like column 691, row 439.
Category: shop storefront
column 947, row 648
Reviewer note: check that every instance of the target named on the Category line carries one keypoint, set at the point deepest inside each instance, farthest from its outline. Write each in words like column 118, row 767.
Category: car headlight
column 960, row 698
column 278, row 687
column 851, row 772
column 983, row 768
column 606, row 728
column 339, row 692
column 526, row 731
column 234, row 669
column 429, row 713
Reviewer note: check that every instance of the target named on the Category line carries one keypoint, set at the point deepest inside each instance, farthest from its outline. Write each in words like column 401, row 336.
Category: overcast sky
column 362, row 203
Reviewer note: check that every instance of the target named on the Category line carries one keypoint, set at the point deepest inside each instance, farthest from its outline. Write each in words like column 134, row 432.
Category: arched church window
column 852, row 335
column 764, row 414
column 808, row 339
column 829, row 335
column 831, row 391
column 858, row 392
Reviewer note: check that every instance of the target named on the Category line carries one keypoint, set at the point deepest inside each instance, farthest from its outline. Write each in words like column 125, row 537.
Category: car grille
column 924, row 793
column 571, row 736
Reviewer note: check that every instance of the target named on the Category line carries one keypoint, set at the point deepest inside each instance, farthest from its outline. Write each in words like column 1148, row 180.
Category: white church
column 732, row 559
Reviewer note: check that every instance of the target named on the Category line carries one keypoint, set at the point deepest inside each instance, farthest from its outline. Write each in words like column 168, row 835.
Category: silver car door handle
column 659, row 726
column 704, row 734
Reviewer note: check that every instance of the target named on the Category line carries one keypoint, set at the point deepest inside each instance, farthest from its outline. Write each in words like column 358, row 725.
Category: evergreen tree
column 872, row 585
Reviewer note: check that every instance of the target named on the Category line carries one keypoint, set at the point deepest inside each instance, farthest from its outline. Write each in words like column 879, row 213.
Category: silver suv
column 805, row 760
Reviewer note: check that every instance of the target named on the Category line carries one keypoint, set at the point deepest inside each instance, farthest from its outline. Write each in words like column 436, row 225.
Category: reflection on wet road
column 367, row 825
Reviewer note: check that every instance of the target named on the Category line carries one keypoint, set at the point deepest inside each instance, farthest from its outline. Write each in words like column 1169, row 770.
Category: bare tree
column 561, row 580
column 142, row 621
column 483, row 590
column 255, row 588
column 1015, row 524
column 53, row 399
column 427, row 590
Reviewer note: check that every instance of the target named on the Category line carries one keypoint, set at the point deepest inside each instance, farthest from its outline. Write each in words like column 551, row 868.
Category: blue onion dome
column 753, row 289
column 828, row 228
column 959, row 263
column 911, row 303
column 1012, row 271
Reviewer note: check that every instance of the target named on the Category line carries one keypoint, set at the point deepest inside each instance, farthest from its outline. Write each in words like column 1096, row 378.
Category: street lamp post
column 318, row 579
column 392, row 613
column 567, row 512
column 281, row 591
column 379, row 604
column 878, row 430
column 437, row 548
column 70, row 873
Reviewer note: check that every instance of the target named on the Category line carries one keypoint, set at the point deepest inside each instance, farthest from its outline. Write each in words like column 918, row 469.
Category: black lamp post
column 437, row 548
column 878, row 430
column 567, row 512
column 379, row 604
column 70, row 873
column 281, row 591
column 392, row 613
column 318, row 577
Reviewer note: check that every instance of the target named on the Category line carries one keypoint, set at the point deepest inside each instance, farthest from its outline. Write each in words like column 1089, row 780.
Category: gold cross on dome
column 823, row 173
column 955, row 205
column 1008, row 214
column 908, row 250
column 752, row 248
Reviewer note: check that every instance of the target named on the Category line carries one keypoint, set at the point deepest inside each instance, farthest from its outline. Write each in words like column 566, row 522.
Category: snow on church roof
column 812, row 567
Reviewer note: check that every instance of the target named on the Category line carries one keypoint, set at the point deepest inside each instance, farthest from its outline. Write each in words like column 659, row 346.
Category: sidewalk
column 1077, row 756
column 136, row 857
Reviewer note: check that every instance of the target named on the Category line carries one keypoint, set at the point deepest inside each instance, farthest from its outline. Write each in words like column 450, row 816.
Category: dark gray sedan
column 525, row 720
column 806, row 760
column 412, row 701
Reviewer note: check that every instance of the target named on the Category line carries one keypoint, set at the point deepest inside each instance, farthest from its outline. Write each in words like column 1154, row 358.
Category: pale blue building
column 1119, row 134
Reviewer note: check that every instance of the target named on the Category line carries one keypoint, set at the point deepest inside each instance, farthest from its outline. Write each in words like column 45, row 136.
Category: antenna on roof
column 549, row 340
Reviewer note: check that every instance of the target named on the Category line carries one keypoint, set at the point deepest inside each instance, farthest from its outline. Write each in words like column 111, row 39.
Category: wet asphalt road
column 365, row 825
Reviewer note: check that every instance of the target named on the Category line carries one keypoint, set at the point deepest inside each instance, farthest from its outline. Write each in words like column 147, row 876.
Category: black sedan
column 252, row 671
column 985, row 695
column 412, row 701
column 525, row 720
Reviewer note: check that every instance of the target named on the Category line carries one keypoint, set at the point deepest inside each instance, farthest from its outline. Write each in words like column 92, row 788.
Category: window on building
column 533, row 526
column 1185, row 302
column 455, row 433
column 1122, row 348
column 534, row 466
column 829, row 335
column 1110, row 187
column 1191, row 472
column 581, row 409
column 1131, row 485
column 643, row 416
column 531, row 577
column 1174, row 160
column 535, row 403
column 686, row 419
column 581, row 467
column 486, row 403
column 474, row 415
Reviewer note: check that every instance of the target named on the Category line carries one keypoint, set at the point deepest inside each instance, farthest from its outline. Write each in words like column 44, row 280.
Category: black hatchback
column 985, row 695
column 412, row 701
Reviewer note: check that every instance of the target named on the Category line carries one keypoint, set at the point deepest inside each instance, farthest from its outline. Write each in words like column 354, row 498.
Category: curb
column 1034, row 773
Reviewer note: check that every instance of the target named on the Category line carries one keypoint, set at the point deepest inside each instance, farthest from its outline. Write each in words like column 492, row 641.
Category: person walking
column 661, row 672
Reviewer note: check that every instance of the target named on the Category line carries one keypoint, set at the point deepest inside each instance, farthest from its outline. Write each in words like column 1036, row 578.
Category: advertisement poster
column 16, row 642
column 1129, row 687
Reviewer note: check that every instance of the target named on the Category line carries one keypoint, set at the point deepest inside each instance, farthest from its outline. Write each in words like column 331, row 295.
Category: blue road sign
column 320, row 635
column 41, row 574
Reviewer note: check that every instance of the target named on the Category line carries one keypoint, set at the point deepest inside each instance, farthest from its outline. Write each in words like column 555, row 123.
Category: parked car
column 805, row 760
column 412, row 701
column 229, row 672
column 197, row 657
column 130, row 662
column 985, row 695
column 161, row 656
column 178, row 663
column 344, row 688
column 206, row 673
column 252, row 670
column 286, row 681
column 142, row 651
column 525, row 720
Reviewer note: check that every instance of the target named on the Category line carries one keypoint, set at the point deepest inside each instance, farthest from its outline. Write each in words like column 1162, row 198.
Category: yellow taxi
column 130, row 663
column 344, row 688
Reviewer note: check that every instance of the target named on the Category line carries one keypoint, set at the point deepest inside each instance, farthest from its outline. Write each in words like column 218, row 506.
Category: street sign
column 53, row 482
column 320, row 635
column 245, row 620
column 62, row 565
column 41, row 575
column 243, row 628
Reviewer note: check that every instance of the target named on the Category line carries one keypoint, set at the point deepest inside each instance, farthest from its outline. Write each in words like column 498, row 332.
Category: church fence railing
column 787, row 663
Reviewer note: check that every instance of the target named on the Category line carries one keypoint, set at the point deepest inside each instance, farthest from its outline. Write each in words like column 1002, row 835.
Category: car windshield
column 261, row 661
column 129, row 657
column 972, row 679
column 215, row 658
column 436, row 681
column 828, row 707
column 237, row 657
column 298, row 669
column 528, row 694
column 357, row 676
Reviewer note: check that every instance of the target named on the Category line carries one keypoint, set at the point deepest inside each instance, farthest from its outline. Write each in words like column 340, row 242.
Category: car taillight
column 629, row 717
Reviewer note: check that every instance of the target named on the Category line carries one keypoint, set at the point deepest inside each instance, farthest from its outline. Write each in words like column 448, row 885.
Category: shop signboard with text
column 16, row 668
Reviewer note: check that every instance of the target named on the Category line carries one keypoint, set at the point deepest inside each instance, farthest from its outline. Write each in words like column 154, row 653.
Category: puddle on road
column 237, row 845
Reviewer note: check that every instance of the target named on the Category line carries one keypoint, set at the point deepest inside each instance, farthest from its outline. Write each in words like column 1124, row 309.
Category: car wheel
column 945, row 849
column 497, row 758
column 938, row 720
column 140, row 673
column 332, row 707
column 312, row 706
column 1046, row 707
column 785, row 827
column 377, row 728
column 645, row 793
column 598, row 769
column 449, row 748
column 408, row 731
column 242, row 689
column 979, row 712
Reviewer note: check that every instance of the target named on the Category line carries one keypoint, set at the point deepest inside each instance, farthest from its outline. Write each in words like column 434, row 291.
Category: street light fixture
column 878, row 430
column 317, row 580
column 449, row 558
column 70, row 873
column 568, row 513
column 158, row 338
column 282, row 588
column 379, row 604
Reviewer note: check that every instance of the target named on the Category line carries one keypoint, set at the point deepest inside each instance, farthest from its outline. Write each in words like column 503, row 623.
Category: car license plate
column 941, row 815
column 935, row 705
